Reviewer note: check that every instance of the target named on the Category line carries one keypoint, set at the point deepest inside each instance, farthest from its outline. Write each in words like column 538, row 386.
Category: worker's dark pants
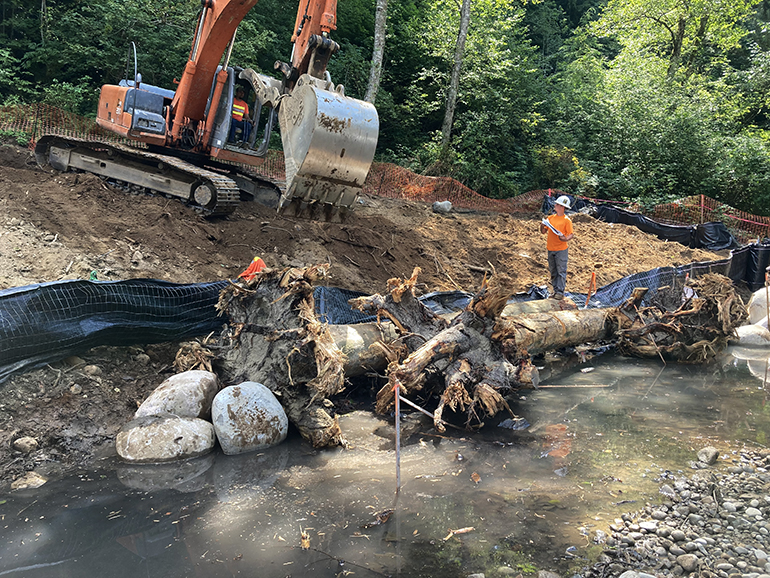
column 557, row 263
column 245, row 127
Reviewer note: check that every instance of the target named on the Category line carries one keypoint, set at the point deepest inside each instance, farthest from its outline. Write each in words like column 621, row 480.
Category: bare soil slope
column 64, row 226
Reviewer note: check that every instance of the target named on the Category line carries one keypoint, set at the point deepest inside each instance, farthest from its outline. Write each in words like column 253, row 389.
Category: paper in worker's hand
column 548, row 224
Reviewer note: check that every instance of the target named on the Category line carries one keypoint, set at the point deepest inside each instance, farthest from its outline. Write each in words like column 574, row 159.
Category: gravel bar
column 710, row 524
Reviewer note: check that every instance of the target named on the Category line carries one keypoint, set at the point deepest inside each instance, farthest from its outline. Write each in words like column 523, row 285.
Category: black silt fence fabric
column 42, row 323
column 615, row 293
column 713, row 236
column 756, row 266
column 681, row 234
column 331, row 306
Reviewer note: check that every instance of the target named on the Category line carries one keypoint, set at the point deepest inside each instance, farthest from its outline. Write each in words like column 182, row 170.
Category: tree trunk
column 676, row 49
column 454, row 83
column 535, row 333
column 537, row 306
column 468, row 364
column 380, row 26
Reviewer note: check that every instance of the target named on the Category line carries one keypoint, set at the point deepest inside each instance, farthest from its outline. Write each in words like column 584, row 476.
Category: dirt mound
column 64, row 226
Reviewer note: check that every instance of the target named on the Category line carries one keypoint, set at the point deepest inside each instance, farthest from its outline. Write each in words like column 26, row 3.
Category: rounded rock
column 248, row 417
column 186, row 394
column 442, row 207
column 164, row 438
column 25, row 445
column 688, row 562
column 92, row 370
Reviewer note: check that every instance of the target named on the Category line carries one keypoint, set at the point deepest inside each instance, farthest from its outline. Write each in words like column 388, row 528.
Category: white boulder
column 187, row 394
column 248, row 417
column 163, row 438
column 442, row 207
column 753, row 336
column 758, row 307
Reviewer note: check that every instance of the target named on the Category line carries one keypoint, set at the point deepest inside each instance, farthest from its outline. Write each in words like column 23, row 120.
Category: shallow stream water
column 602, row 435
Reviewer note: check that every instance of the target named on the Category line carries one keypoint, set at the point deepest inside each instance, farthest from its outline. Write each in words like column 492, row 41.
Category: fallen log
column 535, row 333
column 538, row 306
column 469, row 363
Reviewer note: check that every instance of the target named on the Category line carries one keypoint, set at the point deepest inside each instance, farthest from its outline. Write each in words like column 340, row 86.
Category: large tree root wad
column 274, row 338
column 695, row 332
column 475, row 369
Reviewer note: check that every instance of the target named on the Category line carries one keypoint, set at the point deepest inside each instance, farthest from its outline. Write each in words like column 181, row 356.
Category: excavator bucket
column 328, row 144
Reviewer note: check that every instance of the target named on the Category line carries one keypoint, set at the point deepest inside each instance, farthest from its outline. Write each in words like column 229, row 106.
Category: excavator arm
column 216, row 29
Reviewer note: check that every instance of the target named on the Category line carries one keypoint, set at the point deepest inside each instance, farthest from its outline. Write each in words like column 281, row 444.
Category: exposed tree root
column 470, row 363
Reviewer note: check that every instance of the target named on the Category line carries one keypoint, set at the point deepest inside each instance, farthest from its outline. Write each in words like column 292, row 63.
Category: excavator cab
column 262, row 117
column 328, row 139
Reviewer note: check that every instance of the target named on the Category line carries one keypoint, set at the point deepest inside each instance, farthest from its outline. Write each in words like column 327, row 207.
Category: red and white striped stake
column 397, row 393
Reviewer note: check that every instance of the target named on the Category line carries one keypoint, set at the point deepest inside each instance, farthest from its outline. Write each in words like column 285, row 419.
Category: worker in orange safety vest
column 240, row 118
column 256, row 265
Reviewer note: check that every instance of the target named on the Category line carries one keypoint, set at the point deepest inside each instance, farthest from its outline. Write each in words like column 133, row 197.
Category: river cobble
column 714, row 523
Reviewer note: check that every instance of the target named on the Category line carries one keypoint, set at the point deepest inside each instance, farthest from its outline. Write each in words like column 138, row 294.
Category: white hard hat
column 563, row 201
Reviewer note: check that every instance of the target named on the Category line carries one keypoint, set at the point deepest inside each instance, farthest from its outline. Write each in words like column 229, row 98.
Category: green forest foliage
column 647, row 100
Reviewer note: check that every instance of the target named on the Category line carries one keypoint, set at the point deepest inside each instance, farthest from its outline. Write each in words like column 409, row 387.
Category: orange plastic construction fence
column 389, row 180
column 698, row 209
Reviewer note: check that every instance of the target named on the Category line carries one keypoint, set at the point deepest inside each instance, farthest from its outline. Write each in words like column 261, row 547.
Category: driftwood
column 693, row 333
column 469, row 363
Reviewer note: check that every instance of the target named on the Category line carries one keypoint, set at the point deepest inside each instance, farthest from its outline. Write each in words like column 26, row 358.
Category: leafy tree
column 692, row 34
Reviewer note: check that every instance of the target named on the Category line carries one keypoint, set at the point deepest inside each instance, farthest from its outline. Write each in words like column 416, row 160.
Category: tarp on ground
column 713, row 236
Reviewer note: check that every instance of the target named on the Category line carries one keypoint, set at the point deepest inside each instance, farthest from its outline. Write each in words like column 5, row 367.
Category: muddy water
column 599, row 442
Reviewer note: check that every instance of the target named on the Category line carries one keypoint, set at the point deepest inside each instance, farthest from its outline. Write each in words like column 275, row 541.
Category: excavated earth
column 56, row 226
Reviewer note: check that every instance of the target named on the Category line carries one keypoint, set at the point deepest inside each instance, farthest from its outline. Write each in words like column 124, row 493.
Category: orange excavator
column 186, row 143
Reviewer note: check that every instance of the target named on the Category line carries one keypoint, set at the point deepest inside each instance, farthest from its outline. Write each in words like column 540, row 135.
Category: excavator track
column 211, row 192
